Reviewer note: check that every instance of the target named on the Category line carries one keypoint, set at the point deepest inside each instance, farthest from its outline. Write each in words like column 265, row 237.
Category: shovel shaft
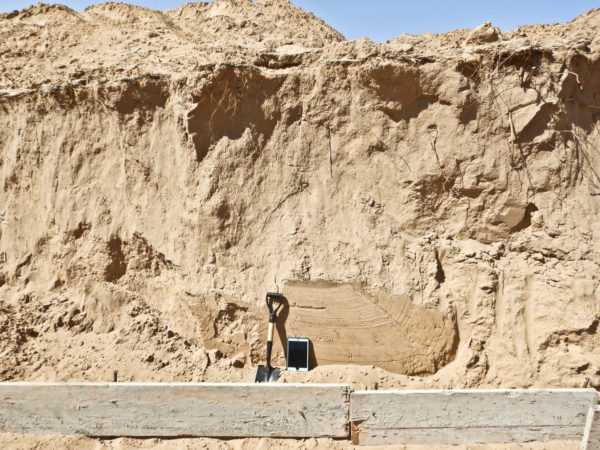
column 269, row 349
column 269, row 343
column 270, row 332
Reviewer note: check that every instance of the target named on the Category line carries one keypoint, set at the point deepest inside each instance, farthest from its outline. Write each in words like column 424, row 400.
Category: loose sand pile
column 18, row 442
column 160, row 171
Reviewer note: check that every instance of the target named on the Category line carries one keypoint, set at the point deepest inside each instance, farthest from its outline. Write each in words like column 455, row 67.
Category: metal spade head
column 266, row 374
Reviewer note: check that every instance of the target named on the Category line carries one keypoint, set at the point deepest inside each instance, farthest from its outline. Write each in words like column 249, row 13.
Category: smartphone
column 297, row 354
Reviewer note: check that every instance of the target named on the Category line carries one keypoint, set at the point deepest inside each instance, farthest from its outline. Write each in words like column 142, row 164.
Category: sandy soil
column 17, row 442
column 160, row 171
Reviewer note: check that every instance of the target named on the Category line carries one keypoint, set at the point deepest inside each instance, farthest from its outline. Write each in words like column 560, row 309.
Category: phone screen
column 298, row 354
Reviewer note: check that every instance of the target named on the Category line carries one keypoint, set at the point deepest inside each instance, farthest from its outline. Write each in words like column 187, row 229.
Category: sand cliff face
column 435, row 197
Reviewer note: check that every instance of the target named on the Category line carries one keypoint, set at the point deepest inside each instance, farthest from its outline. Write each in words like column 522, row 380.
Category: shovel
column 265, row 374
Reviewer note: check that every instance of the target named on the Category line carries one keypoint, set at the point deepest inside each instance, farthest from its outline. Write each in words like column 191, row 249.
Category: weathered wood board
column 591, row 435
column 348, row 326
column 469, row 416
column 175, row 409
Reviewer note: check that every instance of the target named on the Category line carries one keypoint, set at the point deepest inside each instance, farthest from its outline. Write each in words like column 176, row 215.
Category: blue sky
column 381, row 20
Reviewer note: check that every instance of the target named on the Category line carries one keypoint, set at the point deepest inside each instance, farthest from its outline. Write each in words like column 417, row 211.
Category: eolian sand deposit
column 429, row 206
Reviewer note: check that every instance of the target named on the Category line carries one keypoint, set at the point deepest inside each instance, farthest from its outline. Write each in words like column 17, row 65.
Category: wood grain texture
column 469, row 416
column 175, row 409
column 348, row 326
column 591, row 435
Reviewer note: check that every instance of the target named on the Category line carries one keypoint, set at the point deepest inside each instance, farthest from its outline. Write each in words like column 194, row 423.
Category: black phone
column 297, row 354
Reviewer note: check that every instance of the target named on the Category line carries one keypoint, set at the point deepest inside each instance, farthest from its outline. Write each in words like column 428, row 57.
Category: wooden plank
column 591, row 435
column 175, row 409
column 469, row 416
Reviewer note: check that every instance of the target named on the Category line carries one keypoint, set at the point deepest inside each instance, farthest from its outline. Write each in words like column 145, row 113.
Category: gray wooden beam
column 591, row 435
column 469, row 416
column 175, row 409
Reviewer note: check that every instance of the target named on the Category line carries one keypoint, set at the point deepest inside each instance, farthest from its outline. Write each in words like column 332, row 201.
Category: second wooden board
column 469, row 416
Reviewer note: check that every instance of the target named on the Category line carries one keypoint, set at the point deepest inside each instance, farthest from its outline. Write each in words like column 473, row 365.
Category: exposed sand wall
column 158, row 180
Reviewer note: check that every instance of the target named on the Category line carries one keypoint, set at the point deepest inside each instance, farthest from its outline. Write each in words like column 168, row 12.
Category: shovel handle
column 270, row 299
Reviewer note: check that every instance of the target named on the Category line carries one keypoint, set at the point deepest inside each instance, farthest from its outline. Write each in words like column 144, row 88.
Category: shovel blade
column 266, row 374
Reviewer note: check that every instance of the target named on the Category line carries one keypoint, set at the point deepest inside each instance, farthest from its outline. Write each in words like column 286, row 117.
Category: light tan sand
column 18, row 442
column 161, row 171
